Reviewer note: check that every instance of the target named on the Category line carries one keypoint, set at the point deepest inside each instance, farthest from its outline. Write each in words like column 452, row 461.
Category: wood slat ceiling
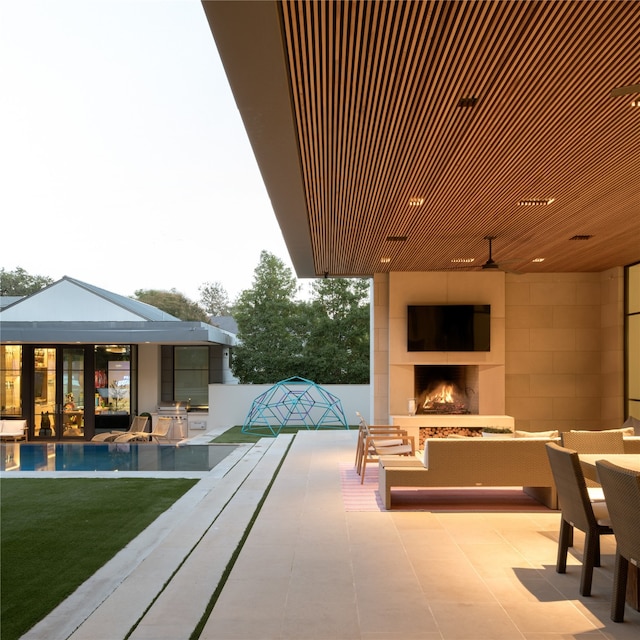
column 375, row 93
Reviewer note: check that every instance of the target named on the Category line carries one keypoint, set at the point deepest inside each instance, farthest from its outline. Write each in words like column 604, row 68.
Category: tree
column 270, row 327
column 325, row 339
column 214, row 299
column 337, row 347
column 20, row 283
column 172, row 302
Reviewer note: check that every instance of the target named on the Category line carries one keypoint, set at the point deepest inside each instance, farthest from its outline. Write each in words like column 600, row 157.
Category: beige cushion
column 537, row 434
column 601, row 513
column 596, row 494
column 12, row 428
column 626, row 431
column 632, row 423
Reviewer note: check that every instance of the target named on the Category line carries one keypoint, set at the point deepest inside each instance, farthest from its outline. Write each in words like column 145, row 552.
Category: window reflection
column 113, row 379
column 10, row 380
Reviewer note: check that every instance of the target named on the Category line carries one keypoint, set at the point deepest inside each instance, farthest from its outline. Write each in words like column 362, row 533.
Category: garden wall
column 229, row 404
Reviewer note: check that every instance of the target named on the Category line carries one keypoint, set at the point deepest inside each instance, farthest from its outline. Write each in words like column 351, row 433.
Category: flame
column 444, row 394
column 441, row 395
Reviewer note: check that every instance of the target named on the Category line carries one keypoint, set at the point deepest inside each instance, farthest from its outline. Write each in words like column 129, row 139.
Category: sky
column 123, row 159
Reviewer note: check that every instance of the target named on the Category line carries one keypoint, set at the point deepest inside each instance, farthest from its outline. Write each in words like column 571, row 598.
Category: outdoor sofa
column 474, row 462
column 13, row 429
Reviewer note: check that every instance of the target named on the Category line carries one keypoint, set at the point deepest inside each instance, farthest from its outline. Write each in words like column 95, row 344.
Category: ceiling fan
column 490, row 263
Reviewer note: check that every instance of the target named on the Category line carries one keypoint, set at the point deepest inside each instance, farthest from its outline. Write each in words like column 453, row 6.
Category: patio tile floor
column 311, row 569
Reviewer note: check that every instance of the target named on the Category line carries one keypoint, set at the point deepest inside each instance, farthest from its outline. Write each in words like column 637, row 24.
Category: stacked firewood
column 445, row 432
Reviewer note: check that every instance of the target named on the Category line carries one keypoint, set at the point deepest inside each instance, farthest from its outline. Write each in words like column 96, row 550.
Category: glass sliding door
column 45, row 407
column 10, row 381
column 58, row 392
column 114, row 392
column 72, row 396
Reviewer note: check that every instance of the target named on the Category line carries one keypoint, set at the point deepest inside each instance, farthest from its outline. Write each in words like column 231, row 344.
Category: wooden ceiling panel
column 375, row 94
column 376, row 87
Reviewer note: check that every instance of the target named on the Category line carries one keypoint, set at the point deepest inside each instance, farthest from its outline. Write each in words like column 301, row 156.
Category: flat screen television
column 449, row 327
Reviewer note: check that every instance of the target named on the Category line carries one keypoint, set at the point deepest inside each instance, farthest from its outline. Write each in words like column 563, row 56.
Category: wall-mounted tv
column 449, row 327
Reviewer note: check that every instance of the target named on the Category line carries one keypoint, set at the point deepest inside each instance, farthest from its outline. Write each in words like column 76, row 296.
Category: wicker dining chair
column 577, row 511
column 593, row 442
column 622, row 492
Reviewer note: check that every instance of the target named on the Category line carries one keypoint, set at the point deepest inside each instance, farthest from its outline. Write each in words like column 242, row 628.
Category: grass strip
column 55, row 533
column 236, row 553
column 234, row 435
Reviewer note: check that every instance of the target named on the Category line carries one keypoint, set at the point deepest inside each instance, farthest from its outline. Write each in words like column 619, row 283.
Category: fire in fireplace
column 446, row 389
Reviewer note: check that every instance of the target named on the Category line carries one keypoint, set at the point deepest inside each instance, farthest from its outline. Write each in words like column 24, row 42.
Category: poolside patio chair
column 138, row 424
column 577, row 511
column 161, row 430
column 622, row 491
column 593, row 442
column 157, row 433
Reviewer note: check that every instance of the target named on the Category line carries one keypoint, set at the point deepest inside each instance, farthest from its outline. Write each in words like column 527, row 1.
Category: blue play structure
column 294, row 402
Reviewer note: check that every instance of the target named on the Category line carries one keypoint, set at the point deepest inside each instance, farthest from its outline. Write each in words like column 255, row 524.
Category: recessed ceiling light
column 396, row 238
column 463, row 260
column 533, row 202
column 468, row 102
column 538, row 260
column 416, row 201
column 385, row 260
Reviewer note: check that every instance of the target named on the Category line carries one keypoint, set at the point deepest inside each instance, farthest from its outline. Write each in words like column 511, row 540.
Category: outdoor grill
column 179, row 426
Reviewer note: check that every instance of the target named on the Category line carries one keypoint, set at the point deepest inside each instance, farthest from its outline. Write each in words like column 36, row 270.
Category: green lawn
column 234, row 435
column 55, row 533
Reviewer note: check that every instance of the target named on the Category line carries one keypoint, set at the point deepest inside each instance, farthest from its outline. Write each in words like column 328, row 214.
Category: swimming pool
column 110, row 456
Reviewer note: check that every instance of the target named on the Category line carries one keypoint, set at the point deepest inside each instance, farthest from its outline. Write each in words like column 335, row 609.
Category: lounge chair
column 158, row 433
column 364, row 430
column 138, row 425
column 380, row 441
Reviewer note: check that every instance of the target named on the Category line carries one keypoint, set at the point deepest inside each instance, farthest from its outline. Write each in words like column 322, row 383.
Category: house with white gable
column 77, row 360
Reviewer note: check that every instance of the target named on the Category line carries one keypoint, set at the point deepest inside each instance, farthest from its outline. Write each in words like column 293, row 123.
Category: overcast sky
column 123, row 158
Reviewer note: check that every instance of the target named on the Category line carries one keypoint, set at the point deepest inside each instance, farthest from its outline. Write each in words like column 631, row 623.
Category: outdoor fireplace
column 446, row 389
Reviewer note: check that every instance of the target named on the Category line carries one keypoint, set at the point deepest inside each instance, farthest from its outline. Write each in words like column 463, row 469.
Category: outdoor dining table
column 628, row 461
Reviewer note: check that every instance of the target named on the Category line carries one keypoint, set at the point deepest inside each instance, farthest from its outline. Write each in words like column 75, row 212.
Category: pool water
column 110, row 456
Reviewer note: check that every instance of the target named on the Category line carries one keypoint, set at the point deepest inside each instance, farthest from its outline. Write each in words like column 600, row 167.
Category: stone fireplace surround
column 545, row 366
column 438, row 288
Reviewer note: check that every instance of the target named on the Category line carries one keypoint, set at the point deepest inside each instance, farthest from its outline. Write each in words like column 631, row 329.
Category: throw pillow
column 632, row 423
column 537, row 434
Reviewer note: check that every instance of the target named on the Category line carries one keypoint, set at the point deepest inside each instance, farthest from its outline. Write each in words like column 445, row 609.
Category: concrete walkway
column 311, row 569
column 176, row 563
